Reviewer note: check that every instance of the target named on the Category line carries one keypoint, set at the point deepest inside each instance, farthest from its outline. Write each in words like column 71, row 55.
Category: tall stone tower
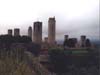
column 37, row 33
column 83, row 41
column 9, row 31
column 30, row 31
column 51, row 30
column 16, row 32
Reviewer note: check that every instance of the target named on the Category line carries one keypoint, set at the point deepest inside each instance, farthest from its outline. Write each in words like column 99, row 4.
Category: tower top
column 36, row 22
column 30, row 27
column 16, row 29
column 52, row 18
column 9, row 29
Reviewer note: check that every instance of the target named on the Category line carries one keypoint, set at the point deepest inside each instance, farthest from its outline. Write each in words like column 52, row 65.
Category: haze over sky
column 73, row 17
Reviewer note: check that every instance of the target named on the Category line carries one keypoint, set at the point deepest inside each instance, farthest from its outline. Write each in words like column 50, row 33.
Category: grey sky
column 73, row 17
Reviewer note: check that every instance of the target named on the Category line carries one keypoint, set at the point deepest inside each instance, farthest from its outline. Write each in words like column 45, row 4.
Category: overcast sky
column 73, row 17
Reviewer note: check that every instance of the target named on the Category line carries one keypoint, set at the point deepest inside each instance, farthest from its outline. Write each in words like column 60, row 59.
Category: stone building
column 9, row 31
column 37, row 32
column 51, row 31
column 30, row 31
column 16, row 32
column 83, row 41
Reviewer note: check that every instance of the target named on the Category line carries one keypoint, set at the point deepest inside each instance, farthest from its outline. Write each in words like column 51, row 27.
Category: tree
column 58, row 60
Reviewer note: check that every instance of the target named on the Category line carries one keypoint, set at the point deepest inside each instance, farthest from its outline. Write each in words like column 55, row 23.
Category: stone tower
column 16, row 32
column 51, row 30
column 30, row 31
column 66, row 37
column 83, row 41
column 9, row 31
column 37, row 33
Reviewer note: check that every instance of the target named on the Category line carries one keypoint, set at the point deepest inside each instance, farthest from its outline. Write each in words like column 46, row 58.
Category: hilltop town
column 35, row 35
column 47, row 57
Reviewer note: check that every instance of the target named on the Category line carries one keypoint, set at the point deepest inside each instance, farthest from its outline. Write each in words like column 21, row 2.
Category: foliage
column 61, row 59
column 14, row 62
column 58, row 60
column 8, row 39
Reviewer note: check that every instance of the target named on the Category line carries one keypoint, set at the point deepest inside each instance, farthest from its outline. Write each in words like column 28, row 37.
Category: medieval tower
column 9, row 31
column 37, row 32
column 83, row 41
column 51, row 30
column 30, row 32
column 16, row 32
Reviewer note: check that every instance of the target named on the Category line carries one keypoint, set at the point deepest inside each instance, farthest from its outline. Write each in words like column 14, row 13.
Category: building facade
column 30, row 32
column 51, row 30
column 16, row 32
column 10, row 32
column 66, row 37
column 83, row 41
column 37, row 32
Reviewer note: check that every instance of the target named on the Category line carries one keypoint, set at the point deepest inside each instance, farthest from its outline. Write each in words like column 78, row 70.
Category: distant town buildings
column 9, row 31
column 51, row 30
column 66, row 37
column 30, row 32
column 74, row 43
column 50, row 41
column 46, row 39
column 37, row 32
column 16, row 32
column 83, row 41
column 69, row 42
